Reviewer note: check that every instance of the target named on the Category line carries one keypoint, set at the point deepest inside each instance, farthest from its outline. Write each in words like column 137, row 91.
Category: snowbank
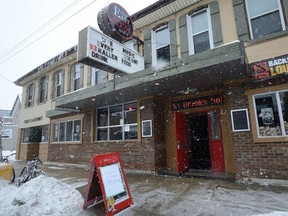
column 41, row 196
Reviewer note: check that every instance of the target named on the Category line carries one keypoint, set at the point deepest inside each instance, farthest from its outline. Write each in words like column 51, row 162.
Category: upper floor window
column 59, row 82
column 30, row 95
column 161, row 46
column 76, row 76
column 98, row 76
column 265, row 17
column 132, row 44
column 199, row 31
column 43, row 89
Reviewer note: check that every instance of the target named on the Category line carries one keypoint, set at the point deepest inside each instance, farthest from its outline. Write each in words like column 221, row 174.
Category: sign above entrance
column 191, row 103
column 115, row 22
column 100, row 51
column 270, row 68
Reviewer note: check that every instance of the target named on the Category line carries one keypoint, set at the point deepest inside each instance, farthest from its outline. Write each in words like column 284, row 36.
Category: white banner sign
column 100, row 51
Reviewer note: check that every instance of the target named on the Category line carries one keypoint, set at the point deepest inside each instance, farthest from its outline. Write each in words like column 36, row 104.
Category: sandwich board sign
column 107, row 183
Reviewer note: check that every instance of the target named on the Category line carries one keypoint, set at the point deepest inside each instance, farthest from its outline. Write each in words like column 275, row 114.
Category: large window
column 30, row 95
column 199, row 31
column 161, row 46
column 271, row 112
column 66, row 131
column 35, row 134
column 265, row 17
column 117, row 122
column 43, row 84
column 98, row 76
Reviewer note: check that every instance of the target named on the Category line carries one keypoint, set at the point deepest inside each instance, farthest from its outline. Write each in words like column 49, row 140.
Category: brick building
column 212, row 97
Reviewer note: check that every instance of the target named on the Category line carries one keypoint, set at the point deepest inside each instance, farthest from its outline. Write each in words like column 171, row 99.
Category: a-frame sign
column 107, row 183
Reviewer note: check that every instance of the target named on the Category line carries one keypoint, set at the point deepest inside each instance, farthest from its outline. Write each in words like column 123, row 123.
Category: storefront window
column 271, row 114
column 67, row 131
column 25, row 135
column 45, row 133
column 284, row 107
column 117, row 122
column 116, row 115
column 76, row 130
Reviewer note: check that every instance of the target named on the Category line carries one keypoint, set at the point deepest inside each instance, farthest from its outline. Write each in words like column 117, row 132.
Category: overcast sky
column 30, row 36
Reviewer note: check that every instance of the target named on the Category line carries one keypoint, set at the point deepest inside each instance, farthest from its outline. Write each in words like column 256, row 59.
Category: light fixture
column 188, row 91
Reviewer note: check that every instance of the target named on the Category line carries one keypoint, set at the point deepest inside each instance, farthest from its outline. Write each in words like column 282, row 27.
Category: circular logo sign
column 115, row 22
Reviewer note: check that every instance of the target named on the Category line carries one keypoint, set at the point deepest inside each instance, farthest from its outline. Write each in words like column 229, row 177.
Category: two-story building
column 211, row 99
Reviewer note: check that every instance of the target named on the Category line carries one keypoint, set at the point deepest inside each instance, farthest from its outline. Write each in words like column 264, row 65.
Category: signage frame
column 192, row 103
column 103, row 52
column 101, row 176
column 269, row 68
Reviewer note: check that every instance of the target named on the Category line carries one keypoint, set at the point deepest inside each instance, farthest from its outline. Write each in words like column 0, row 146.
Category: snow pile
column 41, row 196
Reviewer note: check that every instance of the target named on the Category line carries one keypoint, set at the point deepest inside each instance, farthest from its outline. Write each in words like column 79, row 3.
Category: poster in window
column 240, row 120
column 147, row 128
column 267, row 116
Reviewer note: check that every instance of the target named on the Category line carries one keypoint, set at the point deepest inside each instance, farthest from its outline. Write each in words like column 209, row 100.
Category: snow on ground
column 205, row 199
column 12, row 153
column 41, row 196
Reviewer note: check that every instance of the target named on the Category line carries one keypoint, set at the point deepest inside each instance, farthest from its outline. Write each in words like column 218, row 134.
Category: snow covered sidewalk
column 152, row 195
column 61, row 192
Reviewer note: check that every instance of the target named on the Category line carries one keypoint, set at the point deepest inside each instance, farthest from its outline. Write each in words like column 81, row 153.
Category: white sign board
column 100, row 51
column 112, row 180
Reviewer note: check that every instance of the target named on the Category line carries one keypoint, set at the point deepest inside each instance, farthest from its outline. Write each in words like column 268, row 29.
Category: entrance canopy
column 209, row 70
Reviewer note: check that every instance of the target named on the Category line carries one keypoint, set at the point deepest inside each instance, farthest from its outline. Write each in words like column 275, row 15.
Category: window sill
column 270, row 139
column 66, row 143
column 267, row 37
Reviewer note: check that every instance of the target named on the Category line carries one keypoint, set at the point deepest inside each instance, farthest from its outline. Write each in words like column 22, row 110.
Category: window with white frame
column 30, row 95
column 271, row 110
column 59, row 83
column 199, row 31
column 98, row 76
column 160, row 46
column 76, row 76
column 43, row 84
column 264, row 17
column 117, row 122
column 66, row 131
column 240, row 120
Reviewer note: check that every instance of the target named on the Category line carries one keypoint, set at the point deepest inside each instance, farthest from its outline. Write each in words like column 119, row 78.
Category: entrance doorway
column 199, row 141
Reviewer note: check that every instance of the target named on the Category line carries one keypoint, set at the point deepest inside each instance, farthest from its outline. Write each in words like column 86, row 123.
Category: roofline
column 151, row 8
column 48, row 63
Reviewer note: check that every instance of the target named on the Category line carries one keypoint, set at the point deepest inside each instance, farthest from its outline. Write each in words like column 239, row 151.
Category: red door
column 182, row 151
column 216, row 141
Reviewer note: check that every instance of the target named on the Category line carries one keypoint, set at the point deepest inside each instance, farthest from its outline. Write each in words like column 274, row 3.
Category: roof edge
column 151, row 8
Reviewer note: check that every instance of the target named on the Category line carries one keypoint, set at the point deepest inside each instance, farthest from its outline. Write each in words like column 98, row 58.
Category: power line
column 6, row 79
column 42, row 27
column 47, row 32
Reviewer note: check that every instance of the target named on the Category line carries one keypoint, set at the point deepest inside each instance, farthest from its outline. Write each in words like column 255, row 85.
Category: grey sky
column 19, row 53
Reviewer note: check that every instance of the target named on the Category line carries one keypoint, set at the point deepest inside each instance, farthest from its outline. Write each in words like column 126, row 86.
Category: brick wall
column 256, row 160
column 147, row 154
